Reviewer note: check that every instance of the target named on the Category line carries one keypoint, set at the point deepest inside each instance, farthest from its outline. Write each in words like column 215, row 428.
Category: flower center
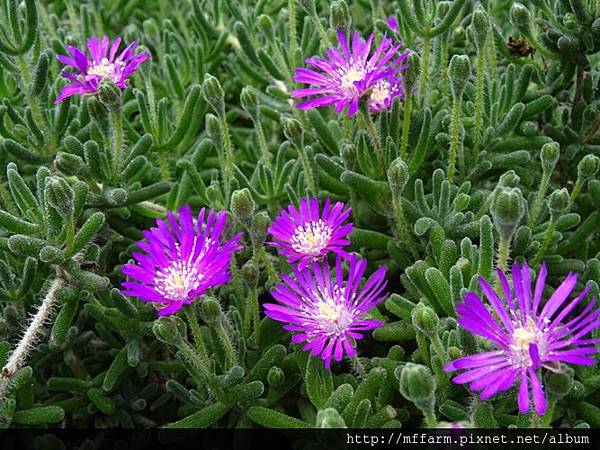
column 380, row 92
column 104, row 69
column 176, row 281
column 522, row 338
column 349, row 77
column 312, row 237
column 332, row 314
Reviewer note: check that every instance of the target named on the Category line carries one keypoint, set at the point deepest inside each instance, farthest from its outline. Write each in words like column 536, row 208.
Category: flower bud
column 411, row 75
column 508, row 208
column 549, row 155
column 249, row 100
column 210, row 310
column 480, row 26
column 250, row 274
column 588, row 167
column 459, row 72
column 348, row 154
column 51, row 255
column 265, row 25
column 292, row 129
column 509, row 179
column 258, row 229
column 110, row 96
column 212, row 128
column 519, row 16
column 213, row 94
column 60, row 196
column 558, row 203
column 398, row 176
column 330, row 418
column 339, row 16
column 242, row 206
column 116, row 197
column 417, row 385
column 559, row 383
column 168, row 330
column 425, row 320
column 69, row 163
column 276, row 376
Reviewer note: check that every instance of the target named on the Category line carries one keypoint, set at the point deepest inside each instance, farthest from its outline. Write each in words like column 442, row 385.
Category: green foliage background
column 492, row 158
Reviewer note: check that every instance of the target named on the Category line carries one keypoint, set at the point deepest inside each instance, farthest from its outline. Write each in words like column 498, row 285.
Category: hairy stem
column 31, row 335
column 454, row 137
column 192, row 319
column 292, row 28
column 424, row 75
column 228, row 163
column 405, row 126
column 479, row 88
column 116, row 122
column 230, row 355
column 503, row 253
column 369, row 125
column 545, row 243
column 539, row 198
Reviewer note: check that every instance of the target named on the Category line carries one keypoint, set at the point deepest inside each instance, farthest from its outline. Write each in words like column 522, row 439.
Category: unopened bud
column 339, row 16
column 459, row 72
column 509, row 179
column 168, row 330
column 110, row 96
column 213, row 94
column 258, row 229
column 398, row 176
column 425, row 320
column 411, row 75
column 250, row 273
column 508, row 208
column 480, row 26
column 210, row 310
column 292, row 130
column 417, row 385
column 249, row 100
column 588, row 167
column 242, row 206
column 559, row 203
column 69, row 163
column 549, row 155
column 519, row 16
column 276, row 376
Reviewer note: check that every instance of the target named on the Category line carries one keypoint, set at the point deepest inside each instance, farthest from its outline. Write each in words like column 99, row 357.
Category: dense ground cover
column 299, row 213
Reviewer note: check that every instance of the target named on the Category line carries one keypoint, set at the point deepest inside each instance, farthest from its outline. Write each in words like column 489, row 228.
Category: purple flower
column 103, row 65
column 351, row 72
column 392, row 22
column 181, row 259
column 528, row 335
column 305, row 234
column 325, row 310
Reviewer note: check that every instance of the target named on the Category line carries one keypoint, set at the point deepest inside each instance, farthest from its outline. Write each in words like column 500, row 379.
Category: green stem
column 192, row 319
column 545, row 243
column 163, row 165
column 443, row 66
column 325, row 41
column 439, row 347
column 454, row 137
column 309, row 175
column 549, row 413
column 430, row 419
column 230, row 355
column 369, row 125
column 491, row 55
column 405, row 126
column 69, row 236
column 358, row 367
column 424, row 75
column 251, row 316
column 539, row 197
column 503, row 253
column 116, row 122
column 292, row 30
column 203, row 367
column 479, row 90
column 576, row 189
column 228, row 163
column 402, row 225
column 262, row 143
column 263, row 256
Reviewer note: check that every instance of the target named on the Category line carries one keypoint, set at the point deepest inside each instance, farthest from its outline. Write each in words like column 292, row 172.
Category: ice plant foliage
column 181, row 259
column 104, row 64
column 307, row 233
column 356, row 69
column 328, row 311
column 529, row 334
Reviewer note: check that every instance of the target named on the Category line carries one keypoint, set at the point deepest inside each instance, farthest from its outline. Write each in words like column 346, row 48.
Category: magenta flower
column 182, row 259
column 103, row 65
column 529, row 335
column 305, row 234
column 351, row 72
column 328, row 311
column 392, row 22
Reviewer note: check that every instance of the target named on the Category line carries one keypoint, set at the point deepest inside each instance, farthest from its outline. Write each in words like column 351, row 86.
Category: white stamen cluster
column 312, row 237
column 522, row 338
column 103, row 69
column 349, row 76
column 176, row 281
